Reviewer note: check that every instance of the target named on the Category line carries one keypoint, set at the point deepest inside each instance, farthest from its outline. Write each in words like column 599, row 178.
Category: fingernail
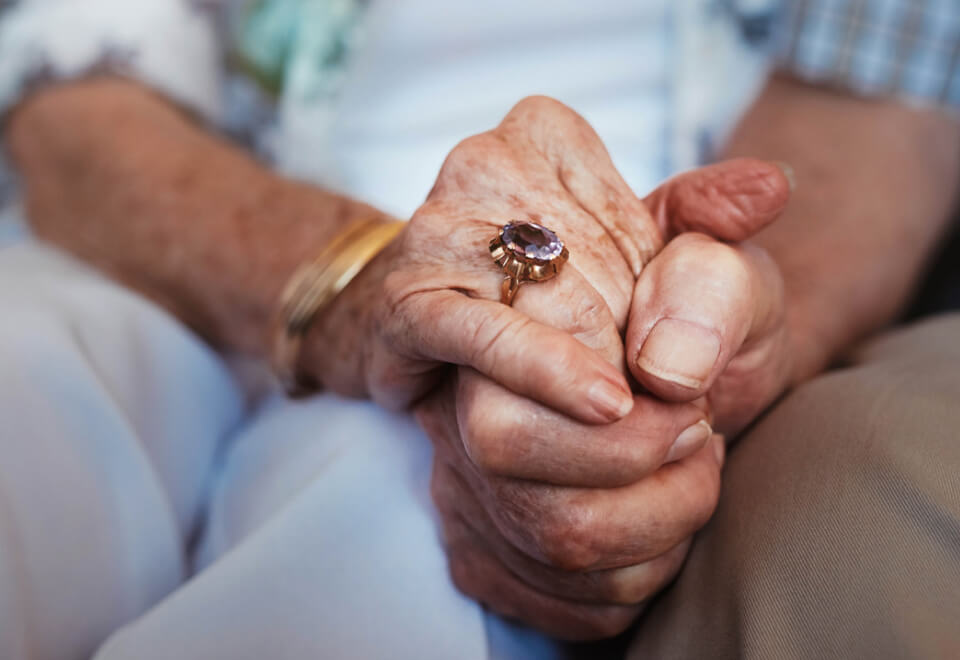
column 690, row 440
column 610, row 400
column 788, row 174
column 680, row 352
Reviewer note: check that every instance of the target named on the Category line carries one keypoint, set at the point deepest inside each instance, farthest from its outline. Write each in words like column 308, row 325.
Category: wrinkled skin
column 562, row 509
column 519, row 427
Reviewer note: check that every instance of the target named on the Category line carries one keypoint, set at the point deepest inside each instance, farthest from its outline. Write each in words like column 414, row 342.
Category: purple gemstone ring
column 526, row 252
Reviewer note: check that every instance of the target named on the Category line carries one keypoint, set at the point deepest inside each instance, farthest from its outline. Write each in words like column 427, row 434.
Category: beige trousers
column 838, row 529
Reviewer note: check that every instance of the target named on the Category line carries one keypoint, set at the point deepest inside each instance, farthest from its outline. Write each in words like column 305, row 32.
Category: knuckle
column 470, row 146
column 635, row 584
column 440, row 490
column 462, row 573
column 590, row 314
column 465, row 156
column 757, row 193
column 708, row 505
column 604, row 622
column 721, row 265
column 387, row 382
column 618, row 620
column 566, row 537
column 487, row 440
column 493, row 337
column 727, row 261
column 637, row 459
column 629, row 585
column 630, row 591
column 536, row 108
column 702, row 496
column 422, row 218
column 538, row 103
column 566, row 359
column 489, row 453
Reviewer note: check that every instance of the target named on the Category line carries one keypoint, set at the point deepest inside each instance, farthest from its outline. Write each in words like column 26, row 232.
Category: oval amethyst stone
column 533, row 241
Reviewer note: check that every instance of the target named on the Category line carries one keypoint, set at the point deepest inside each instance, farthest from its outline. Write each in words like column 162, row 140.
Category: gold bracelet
column 314, row 286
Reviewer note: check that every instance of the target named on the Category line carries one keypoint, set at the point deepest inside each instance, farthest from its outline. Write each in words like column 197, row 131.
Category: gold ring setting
column 526, row 252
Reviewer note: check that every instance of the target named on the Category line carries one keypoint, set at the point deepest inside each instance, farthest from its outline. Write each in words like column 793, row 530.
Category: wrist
column 813, row 341
column 335, row 350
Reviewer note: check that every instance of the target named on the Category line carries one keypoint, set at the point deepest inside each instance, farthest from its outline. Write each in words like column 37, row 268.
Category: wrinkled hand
column 566, row 526
column 708, row 319
column 575, row 562
column 435, row 294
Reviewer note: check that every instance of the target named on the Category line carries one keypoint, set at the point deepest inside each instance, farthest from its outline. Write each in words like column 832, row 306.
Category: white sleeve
column 169, row 45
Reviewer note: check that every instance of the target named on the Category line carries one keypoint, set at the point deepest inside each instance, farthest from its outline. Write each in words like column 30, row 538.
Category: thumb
column 730, row 201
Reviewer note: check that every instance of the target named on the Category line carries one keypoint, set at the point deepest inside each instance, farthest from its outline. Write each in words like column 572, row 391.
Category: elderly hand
column 566, row 526
column 431, row 298
column 524, row 534
column 709, row 319
column 205, row 252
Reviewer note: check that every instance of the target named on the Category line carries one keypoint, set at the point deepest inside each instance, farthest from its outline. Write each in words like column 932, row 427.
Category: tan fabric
column 838, row 530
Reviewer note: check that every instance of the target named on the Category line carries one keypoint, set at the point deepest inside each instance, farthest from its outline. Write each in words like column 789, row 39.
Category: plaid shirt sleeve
column 903, row 48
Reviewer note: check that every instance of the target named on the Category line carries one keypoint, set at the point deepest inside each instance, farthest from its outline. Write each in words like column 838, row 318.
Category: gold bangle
column 314, row 286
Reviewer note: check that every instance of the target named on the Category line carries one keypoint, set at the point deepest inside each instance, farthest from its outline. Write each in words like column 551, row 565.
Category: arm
column 742, row 322
column 119, row 177
column 876, row 184
column 123, row 180
column 876, row 179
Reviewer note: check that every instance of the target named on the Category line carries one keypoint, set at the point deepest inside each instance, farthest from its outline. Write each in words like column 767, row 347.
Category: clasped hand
column 575, row 452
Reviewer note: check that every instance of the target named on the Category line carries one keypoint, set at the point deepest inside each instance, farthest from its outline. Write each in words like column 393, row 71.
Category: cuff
column 888, row 48
column 169, row 45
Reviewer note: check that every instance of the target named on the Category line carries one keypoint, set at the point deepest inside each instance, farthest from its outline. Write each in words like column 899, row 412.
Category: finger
column 529, row 358
column 731, row 200
column 509, row 436
column 586, row 529
column 694, row 307
column 594, row 529
column 509, row 174
column 629, row 585
column 476, row 572
column 573, row 152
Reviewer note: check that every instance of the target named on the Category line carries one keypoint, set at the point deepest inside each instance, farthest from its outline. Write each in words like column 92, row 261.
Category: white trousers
column 151, row 509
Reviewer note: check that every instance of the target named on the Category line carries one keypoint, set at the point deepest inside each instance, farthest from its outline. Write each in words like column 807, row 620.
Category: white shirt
column 430, row 74
column 652, row 76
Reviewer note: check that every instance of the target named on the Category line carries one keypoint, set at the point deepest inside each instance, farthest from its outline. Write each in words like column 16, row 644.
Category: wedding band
column 526, row 252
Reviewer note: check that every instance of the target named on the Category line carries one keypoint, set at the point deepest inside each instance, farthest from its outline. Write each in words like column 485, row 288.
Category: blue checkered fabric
column 903, row 48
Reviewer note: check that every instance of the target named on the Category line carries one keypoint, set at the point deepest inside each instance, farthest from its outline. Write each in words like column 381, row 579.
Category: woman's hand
column 568, row 526
column 431, row 299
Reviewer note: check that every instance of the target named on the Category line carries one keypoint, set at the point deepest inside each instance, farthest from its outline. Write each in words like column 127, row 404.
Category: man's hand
column 430, row 299
column 217, row 245
column 524, row 534
column 708, row 320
